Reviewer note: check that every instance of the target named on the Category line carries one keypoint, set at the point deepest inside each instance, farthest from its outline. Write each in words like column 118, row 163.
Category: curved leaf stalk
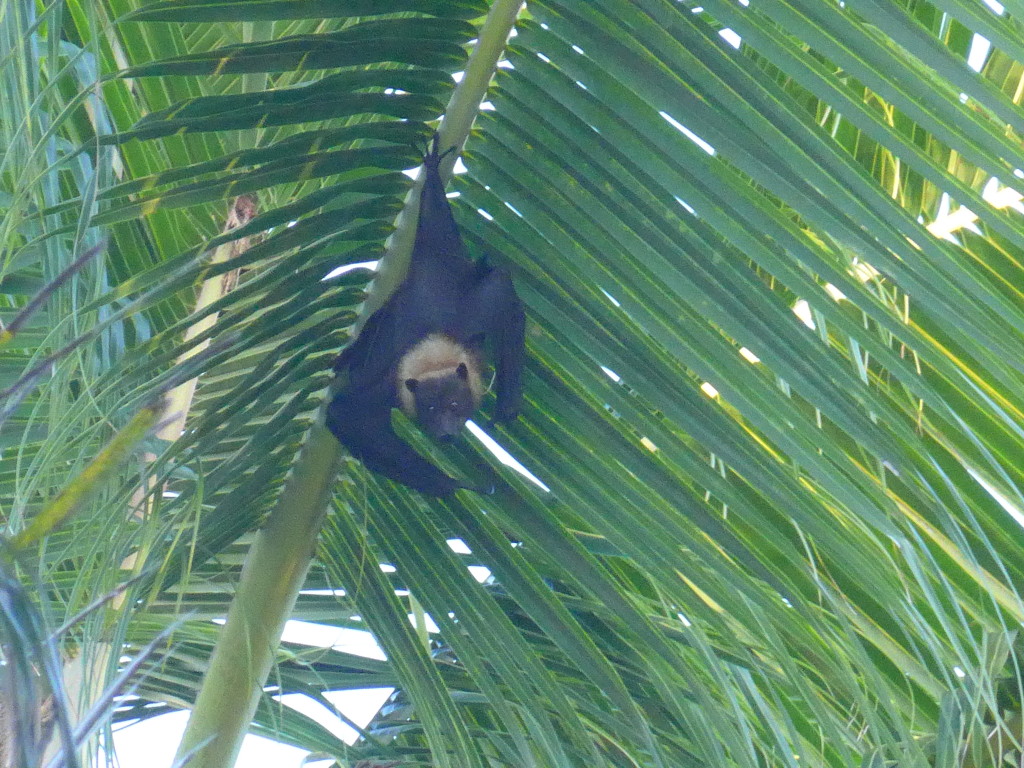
column 81, row 682
column 84, row 691
column 276, row 565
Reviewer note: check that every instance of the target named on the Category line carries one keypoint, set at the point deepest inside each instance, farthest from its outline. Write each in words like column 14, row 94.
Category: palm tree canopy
column 770, row 257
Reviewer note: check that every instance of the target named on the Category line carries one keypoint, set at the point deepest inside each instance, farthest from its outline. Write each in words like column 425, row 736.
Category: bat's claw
column 504, row 416
column 433, row 156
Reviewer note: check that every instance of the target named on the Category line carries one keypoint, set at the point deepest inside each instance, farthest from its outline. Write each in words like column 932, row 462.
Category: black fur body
column 423, row 351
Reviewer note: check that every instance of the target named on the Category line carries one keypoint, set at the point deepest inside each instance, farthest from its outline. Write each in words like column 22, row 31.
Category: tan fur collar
column 436, row 356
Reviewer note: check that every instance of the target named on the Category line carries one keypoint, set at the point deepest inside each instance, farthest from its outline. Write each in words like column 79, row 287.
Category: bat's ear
column 411, row 384
column 462, row 371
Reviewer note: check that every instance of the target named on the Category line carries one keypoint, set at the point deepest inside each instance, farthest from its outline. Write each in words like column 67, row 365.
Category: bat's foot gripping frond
column 432, row 159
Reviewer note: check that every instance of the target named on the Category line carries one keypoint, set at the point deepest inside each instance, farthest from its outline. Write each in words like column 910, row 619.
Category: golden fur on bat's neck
column 435, row 357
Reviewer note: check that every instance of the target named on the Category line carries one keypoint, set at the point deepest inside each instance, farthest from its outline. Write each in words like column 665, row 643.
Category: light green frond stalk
column 277, row 563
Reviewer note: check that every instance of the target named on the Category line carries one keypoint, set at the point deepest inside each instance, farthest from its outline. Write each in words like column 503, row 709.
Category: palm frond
column 769, row 254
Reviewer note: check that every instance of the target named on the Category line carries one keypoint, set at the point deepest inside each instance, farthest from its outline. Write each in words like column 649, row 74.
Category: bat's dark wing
column 360, row 414
column 386, row 336
column 362, row 423
column 493, row 309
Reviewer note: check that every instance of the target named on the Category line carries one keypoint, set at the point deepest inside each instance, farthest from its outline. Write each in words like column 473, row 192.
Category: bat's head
column 443, row 403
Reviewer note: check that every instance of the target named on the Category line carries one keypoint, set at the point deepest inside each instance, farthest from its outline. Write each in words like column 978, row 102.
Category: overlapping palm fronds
column 770, row 254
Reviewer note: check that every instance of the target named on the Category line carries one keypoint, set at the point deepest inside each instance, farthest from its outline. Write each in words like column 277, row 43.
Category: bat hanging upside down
column 423, row 351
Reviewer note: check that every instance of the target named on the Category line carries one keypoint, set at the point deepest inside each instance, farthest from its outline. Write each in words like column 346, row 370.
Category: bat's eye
column 430, row 407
